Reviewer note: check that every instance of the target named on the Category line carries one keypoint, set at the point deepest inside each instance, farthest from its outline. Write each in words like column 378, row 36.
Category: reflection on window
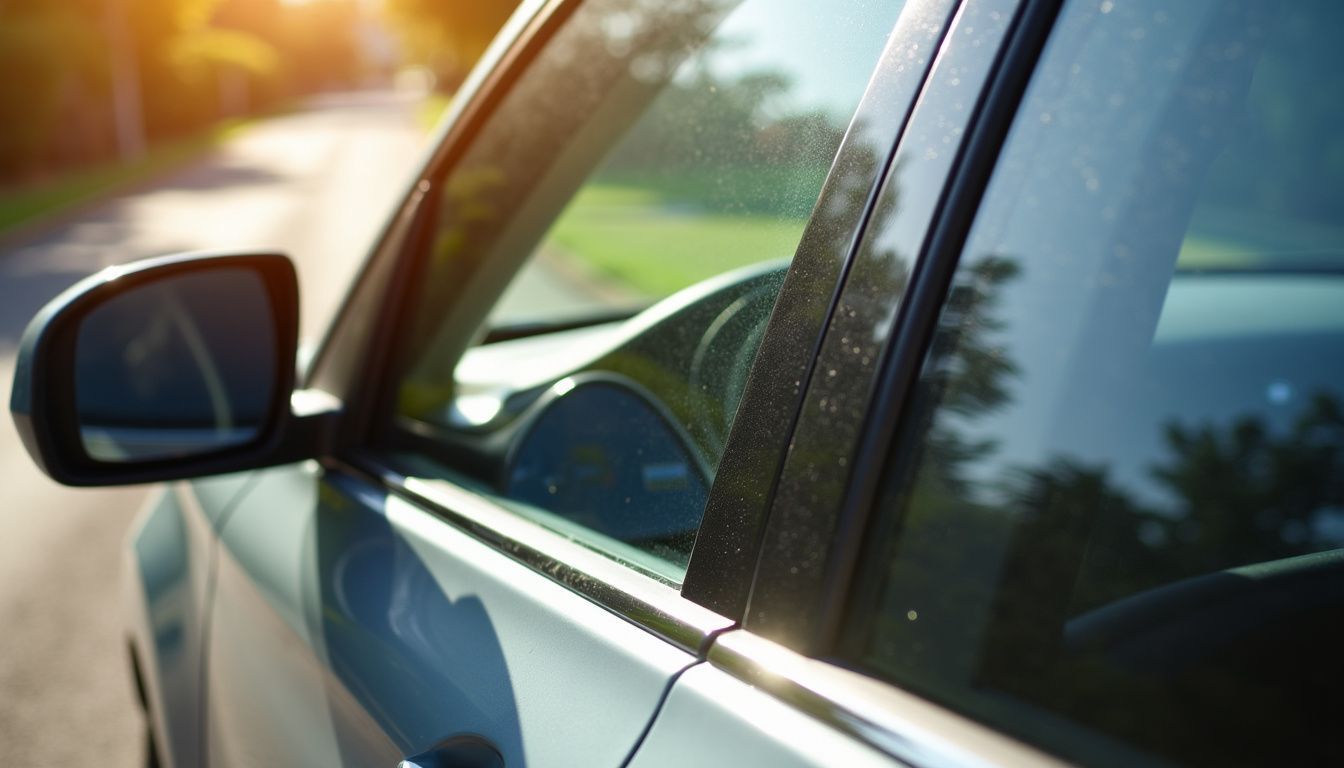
column 1123, row 496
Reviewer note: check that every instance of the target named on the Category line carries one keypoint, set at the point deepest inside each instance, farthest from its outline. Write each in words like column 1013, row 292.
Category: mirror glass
column 180, row 367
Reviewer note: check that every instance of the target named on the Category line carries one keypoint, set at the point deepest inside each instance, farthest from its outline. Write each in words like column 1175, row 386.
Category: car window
column 1114, row 517
column 608, row 250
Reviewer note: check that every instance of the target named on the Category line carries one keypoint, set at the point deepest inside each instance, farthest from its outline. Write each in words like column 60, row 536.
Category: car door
column 1090, row 508
column 503, row 553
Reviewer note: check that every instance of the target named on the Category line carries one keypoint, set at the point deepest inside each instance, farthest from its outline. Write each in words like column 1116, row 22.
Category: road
column 316, row 184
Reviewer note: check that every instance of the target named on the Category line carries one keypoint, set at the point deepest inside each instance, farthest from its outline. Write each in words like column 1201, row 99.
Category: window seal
column 729, row 541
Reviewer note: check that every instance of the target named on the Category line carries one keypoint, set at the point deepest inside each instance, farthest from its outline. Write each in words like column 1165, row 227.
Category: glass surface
column 603, row 449
column 720, row 169
column 178, row 367
column 660, row 159
column 1116, row 499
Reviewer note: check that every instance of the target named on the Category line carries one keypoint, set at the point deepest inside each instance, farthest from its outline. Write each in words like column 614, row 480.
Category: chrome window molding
column 901, row 724
column 640, row 598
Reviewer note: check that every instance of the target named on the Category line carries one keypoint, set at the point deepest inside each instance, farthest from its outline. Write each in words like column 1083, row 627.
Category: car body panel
column 166, row 591
column 365, row 623
column 712, row 718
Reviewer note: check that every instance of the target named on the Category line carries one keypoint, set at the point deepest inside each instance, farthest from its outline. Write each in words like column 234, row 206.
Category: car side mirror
column 164, row 369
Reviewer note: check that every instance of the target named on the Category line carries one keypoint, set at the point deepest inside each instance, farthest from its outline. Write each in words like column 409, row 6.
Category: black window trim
column 804, row 607
column 908, row 347
column 728, row 545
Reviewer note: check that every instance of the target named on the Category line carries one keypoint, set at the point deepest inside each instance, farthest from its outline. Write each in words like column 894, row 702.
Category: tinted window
column 609, row 250
column 1116, row 513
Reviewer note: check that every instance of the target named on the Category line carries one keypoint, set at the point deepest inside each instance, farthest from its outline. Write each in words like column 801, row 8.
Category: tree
column 54, row 70
column 448, row 37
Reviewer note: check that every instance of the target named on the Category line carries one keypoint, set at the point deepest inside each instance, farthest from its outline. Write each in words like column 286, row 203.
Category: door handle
column 466, row 751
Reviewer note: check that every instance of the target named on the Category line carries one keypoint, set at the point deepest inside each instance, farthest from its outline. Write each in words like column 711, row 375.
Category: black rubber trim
column 919, row 314
column 731, row 537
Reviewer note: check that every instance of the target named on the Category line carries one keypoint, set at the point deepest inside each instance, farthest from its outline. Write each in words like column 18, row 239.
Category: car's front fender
column 166, row 587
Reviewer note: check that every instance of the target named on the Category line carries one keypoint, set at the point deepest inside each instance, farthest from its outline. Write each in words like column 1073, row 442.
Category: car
column 938, row 382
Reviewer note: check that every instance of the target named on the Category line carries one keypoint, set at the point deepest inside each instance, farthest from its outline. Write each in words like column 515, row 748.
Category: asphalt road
column 316, row 184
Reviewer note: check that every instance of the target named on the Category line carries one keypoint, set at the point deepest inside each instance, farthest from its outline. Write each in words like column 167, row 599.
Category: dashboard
column 615, row 427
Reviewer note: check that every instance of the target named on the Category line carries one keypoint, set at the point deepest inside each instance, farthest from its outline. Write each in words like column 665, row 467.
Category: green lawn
column 655, row 247
column 19, row 205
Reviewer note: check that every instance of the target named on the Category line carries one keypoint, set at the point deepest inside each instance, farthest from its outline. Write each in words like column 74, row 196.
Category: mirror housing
column 164, row 329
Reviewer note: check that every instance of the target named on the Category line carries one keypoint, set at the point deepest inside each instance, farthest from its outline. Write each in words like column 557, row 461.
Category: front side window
column 1115, row 520
column 609, row 249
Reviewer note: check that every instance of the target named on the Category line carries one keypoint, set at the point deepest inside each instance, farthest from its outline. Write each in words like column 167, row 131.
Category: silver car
column 757, row 383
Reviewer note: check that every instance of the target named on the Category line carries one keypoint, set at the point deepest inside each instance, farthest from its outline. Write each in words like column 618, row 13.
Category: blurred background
column 134, row 128
column 87, row 81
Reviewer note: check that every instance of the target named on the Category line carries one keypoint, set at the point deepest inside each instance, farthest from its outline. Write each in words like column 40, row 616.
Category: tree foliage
column 447, row 36
column 68, row 69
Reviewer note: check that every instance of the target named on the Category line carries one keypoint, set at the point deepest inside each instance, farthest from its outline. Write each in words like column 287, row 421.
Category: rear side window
column 1115, row 518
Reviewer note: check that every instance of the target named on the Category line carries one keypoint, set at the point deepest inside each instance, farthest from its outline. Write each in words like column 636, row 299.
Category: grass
column 654, row 247
column 29, row 202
